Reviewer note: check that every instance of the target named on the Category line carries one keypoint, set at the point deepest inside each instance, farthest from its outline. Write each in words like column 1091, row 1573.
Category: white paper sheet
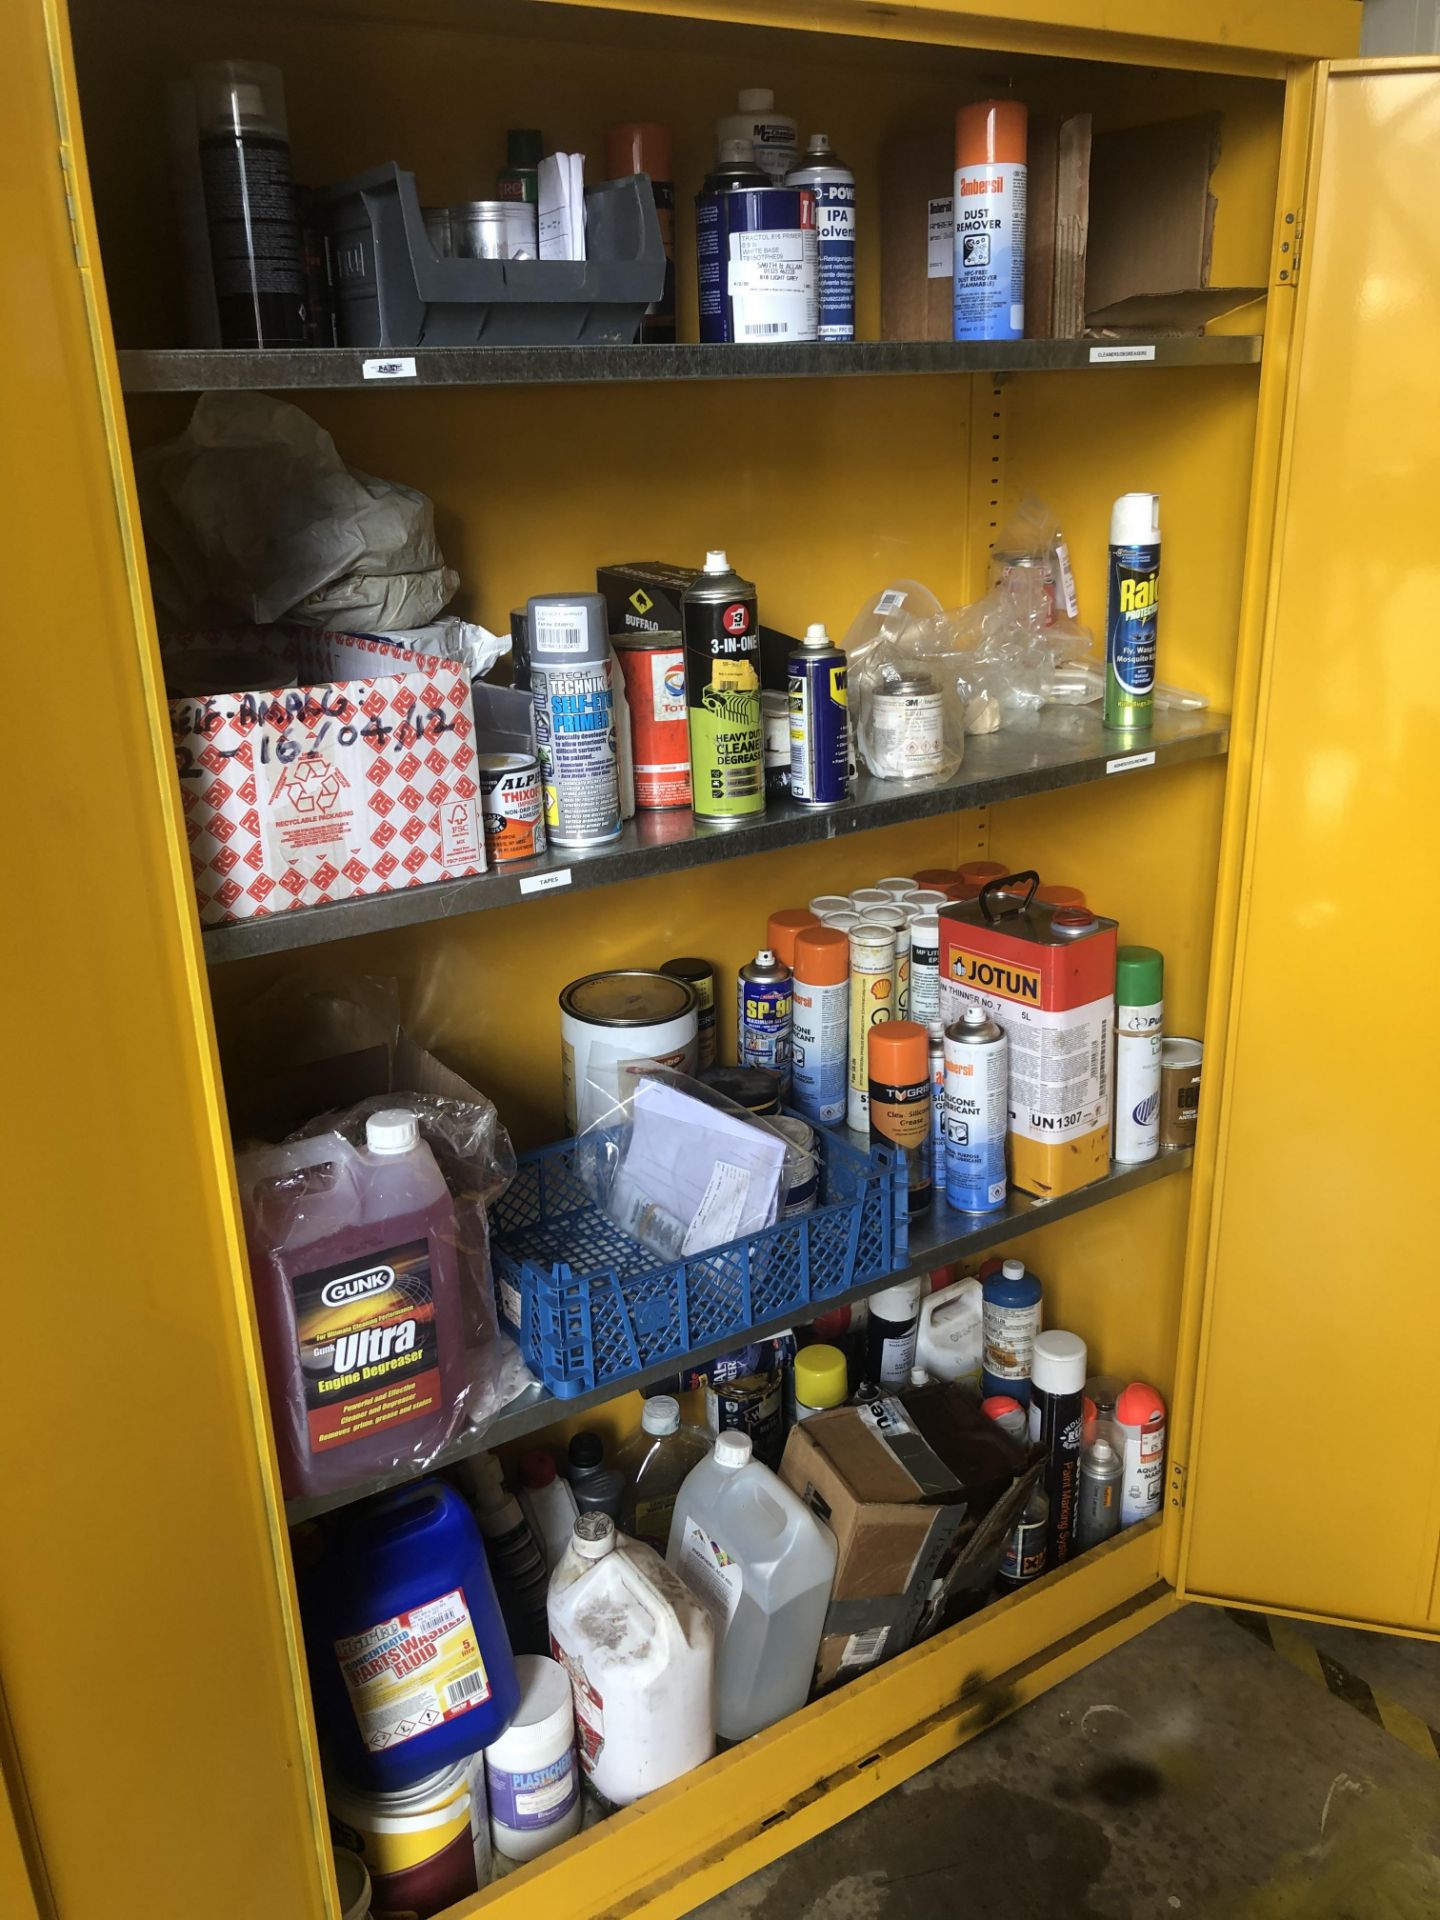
column 694, row 1177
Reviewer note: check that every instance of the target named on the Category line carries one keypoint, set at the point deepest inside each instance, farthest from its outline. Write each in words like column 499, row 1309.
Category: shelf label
column 401, row 369
column 547, row 882
column 1097, row 354
column 1127, row 763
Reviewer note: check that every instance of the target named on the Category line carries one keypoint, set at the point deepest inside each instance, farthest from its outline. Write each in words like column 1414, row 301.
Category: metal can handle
column 1008, row 883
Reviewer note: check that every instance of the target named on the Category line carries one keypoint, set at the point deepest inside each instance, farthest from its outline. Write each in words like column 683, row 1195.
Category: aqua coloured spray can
column 1133, row 609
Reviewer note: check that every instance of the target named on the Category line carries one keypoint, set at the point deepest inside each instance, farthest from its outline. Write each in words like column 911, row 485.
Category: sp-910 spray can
column 722, row 693
column 833, row 186
column 990, row 178
column 1057, row 1421
column 977, row 1078
column 819, row 722
column 820, row 1025
column 872, row 999
column 570, row 685
column 762, row 1024
column 1132, row 611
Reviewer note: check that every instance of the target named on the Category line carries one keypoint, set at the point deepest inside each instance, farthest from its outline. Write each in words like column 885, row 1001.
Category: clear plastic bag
column 1031, row 541
column 904, row 727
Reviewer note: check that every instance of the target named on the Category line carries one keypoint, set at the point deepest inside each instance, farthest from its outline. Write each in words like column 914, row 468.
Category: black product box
column 643, row 596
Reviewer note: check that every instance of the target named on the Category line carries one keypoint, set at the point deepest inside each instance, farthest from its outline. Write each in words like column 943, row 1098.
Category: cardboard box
column 643, row 596
column 358, row 779
column 894, row 1509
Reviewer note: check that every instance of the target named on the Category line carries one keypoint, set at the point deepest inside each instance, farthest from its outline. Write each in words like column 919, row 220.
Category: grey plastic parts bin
column 393, row 290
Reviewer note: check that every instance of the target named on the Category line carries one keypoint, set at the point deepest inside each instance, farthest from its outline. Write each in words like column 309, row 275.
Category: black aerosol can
column 722, row 692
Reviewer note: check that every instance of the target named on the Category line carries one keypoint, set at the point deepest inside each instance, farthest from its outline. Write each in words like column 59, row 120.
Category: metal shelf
column 938, row 1237
column 193, row 370
column 1069, row 748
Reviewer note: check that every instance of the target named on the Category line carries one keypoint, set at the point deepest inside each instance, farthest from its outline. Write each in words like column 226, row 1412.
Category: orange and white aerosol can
column 1046, row 975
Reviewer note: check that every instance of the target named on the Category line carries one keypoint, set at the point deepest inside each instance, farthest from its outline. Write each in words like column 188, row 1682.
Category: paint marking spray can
column 1102, row 1470
column 898, row 921
column 819, row 722
column 1139, row 1016
column 570, row 669
column 1140, row 1418
column 700, row 975
column 820, row 1029
column 977, row 1082
column 1057, row 1421
column 1132, row 611
column 833, row 185
column 990, row 191
column 1010, row 1321
column 900, row 1101
column 722, row 692
column 765, row 1006
column 872, row 999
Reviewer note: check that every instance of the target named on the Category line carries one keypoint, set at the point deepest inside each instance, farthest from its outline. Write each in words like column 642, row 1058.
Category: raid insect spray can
column 763, row 1016
column 1057, row 1421
column 819, row 722
column 872, row 999
column 1132, row 611
column 722, row 693
column 977, row 1081
column 570, row 685
column 990, row 183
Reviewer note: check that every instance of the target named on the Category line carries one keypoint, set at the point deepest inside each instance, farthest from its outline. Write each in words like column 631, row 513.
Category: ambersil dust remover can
column 1047, row 976
column 763, row 1015
column 819, row 721
column 1132, row 611
column 570, row 670
column 990, row 185
column 722, row 693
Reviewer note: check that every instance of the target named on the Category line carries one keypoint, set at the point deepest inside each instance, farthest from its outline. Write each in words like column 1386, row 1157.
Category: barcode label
column 766, row 326
column 559, row 629
column 401, row 369
column 862, row 1649
column 470, row 1686
column 890, row 602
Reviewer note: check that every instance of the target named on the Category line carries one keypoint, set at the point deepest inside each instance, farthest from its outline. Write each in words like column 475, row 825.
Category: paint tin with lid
column 424, row 1847
column 512, row 806
column 611, row 1025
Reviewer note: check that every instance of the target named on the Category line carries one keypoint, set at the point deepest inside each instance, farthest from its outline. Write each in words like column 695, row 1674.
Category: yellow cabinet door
column 1311, row 1475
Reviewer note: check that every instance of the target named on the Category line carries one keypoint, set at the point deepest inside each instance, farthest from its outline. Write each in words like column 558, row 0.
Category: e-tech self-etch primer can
column 1047, row 976
column 1132, row 611
column 819, row 721
column 570, row 684
column 833, row 186
column 990, row 192
column 722, row 693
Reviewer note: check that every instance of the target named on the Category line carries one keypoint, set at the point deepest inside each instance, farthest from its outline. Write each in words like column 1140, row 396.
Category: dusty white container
column 532, row 1777
column 353, row 1881
column 640, row 1653
column 950, row 1341
column 753, row 1552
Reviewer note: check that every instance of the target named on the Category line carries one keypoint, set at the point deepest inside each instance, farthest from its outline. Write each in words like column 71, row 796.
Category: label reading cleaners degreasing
column 369, row 1350
column 410, row 1673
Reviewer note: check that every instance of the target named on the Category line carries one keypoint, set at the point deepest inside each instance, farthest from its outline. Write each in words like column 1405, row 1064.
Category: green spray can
column 719, row 621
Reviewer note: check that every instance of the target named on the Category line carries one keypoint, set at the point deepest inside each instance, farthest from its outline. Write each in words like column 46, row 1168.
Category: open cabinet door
column 1313, row 1462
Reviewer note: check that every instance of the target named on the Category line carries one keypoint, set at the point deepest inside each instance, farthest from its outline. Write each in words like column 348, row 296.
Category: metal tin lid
column 756, row 1089
column 911, row 683
column 505, row 762
column 631, row 998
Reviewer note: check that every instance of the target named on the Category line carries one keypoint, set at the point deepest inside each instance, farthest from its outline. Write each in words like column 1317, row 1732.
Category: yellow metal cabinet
column 163, row 1756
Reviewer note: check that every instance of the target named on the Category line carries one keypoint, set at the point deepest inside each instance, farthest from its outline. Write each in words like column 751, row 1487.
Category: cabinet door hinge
column 1177, row 1484
column 1287, row 249
column 67, row 181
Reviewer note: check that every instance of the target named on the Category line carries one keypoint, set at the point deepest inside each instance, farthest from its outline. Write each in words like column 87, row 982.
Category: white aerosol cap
column 1135, row 520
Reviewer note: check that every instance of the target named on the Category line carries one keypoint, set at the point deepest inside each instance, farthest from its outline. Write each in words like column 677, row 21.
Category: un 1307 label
column 401, row 369
column 547, row 882
column 1098, row 354
column 1127, row 763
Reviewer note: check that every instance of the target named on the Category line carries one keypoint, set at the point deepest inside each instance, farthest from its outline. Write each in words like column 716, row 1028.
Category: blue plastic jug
column 410, row 1662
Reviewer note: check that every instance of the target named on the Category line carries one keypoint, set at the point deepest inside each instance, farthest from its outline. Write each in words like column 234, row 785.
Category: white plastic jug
column 640, row 1653
column 763, row 1565
column 950, row 1342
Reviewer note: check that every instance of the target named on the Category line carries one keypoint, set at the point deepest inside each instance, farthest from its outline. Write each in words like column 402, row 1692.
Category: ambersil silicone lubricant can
column 872, row 999
column 570, row 670
column 1139, row 1017
column 1047, row 976
column 763, row 1012
column 976, row 1112
column 652, row 666
column 900, row 1101
column 820, row 1024
column 722, row 693
column 833, row 186
column 1132, row 611
column 819, row 722
column 990, row 190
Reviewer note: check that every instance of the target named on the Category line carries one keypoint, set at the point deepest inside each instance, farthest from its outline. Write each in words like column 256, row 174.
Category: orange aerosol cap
column 990, row 133
column 782, row 928
column 822, row 956
column 899, row 1053
column 640, row 146
column 975, row 874
column 1054, row 897
column 1140, row 1406
column 943, row 879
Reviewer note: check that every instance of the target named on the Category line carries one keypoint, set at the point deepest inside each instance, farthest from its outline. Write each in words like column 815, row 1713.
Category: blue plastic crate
column 590, row 1306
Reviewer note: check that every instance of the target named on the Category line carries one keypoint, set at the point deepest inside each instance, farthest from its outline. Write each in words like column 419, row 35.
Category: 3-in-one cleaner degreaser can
column 1132, row 611
column 722, row 692
column 990, row 191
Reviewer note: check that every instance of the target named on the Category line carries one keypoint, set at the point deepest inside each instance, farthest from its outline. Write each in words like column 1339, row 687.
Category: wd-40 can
column 570, row 685
column 764, row 1014
column 976, row 1084
column 722, row 693
column 1132, row 611
column 833, row 186
column 819, row 722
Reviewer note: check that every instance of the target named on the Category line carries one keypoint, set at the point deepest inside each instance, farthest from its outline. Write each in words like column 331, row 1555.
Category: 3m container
column 352, row 1258
column 424, row 1847
column 639, row 1650
column 409, row 1658
column 990, row 194
column 820, row 1024
column 1047, row 976
column 614, row 1023
column 762, row 1565
column 653, row 668
column 532, row 1776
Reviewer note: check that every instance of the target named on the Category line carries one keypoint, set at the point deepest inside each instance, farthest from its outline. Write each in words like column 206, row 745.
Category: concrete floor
column 1193, row 1773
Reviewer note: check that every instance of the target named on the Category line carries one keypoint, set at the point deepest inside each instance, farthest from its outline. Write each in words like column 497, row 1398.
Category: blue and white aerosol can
column 990, row 190
column 574, row 700
column 819, row 722
column 833, row 186
column 754, row 254
column 977, row 1111
column 764, row 1015
column 1133, row 611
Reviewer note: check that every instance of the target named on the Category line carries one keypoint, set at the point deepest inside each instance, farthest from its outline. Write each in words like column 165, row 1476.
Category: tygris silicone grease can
column 570, row 684
column 722, row 693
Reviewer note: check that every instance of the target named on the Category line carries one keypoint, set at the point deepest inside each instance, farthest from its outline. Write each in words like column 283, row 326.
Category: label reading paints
column 413, row 1672
column 369, row 1352
column 711, row 1575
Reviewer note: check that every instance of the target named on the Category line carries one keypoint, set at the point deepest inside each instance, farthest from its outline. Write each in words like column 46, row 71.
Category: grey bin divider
column 393, row 290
